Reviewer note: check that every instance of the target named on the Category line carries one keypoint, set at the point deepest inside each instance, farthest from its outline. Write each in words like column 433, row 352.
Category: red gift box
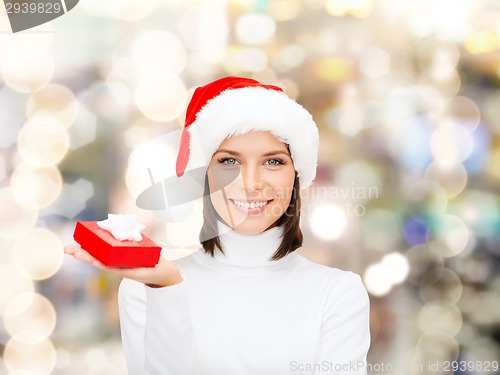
column 115, row 253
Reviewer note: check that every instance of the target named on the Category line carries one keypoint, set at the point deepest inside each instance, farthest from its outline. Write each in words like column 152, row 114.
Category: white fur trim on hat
column 242, row 110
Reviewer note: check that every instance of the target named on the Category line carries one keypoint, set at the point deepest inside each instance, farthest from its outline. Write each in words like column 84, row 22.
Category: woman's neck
column 247, row 250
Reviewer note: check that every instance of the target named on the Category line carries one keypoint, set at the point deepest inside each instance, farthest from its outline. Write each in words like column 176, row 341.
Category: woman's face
column 251, row 180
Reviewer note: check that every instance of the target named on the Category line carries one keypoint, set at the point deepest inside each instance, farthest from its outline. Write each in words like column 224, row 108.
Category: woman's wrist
column 168, row 282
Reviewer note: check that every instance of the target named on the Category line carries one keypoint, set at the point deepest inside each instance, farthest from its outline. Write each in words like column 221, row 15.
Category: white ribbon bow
column 122, row 227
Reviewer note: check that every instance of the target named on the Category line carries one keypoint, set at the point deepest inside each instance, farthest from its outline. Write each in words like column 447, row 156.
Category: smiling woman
column 263, row 190
column 245, row 302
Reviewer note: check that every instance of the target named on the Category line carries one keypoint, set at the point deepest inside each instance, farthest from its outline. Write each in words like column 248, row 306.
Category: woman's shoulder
column 341, row 289
column 329, row 274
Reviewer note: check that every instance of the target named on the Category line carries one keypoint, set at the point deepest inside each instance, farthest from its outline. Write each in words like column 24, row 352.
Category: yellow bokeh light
column 378, row 282
column 396, row 265
column 440, row 284
column 362, row 9
column 432, row 348
column 43, row 141
column 24, row 44
column 212, row 31
column 15, row 219
column 30, row 313
column 155, row 155
column 129, row 10
column 437, row 59
column 289, row 57
column 337, row 7
column 18, row 282
column 461, row 110
column 448, row 87
column 93, row 7
column 35, row 187
column 451, row 178
column 230, row 62
column 382, row 276
column 39, row 253
column 481, row 41
column 493, row 166
column 243, row 2
column 136, row 135
column 451, row 236
column 28, row 351
column 161, row 98
column 451, row 143
column 422, row 259
column 27, row 73
column 375, row 62
column 439, row 318
column 158, row 52
column 255, row 29
column 183, row 228
column 357, row 8
column 328, row 221
column 56, row 100
column 250, row 59
column 285, row 10
column 334, row 69
column 486, row 307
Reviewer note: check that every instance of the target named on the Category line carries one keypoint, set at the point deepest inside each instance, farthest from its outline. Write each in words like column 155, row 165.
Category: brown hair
column 290, row 221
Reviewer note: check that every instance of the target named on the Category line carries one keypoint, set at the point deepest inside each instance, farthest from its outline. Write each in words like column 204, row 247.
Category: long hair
column 290, row 221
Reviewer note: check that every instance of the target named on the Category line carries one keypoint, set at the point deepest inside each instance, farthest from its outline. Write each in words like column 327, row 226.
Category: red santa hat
column 235, row 106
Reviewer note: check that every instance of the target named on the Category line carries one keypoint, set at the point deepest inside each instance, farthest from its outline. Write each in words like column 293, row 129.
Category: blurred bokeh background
column 405, row 94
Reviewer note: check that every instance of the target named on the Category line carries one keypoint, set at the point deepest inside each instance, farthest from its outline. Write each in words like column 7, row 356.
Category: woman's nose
column 251, row 178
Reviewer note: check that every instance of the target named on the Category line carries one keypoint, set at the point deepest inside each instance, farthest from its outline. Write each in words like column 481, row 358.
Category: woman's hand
column 165, row 273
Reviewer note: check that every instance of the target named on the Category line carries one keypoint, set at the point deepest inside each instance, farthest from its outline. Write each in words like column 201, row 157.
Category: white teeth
column 250, row 205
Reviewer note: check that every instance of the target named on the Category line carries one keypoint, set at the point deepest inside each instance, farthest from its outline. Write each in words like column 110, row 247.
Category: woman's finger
column 148, row 275
column 70, row 250
column 83, row 255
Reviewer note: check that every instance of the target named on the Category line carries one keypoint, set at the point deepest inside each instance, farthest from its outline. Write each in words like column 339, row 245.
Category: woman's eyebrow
column 235, row 153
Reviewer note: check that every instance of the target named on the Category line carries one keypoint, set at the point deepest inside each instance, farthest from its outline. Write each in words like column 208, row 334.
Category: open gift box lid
column 115, row 253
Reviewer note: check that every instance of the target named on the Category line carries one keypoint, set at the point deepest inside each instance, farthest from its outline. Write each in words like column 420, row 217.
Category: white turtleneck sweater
column 242, row 314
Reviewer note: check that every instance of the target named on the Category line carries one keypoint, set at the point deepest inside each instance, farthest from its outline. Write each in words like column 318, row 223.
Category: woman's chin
column 246, row 229
column 251, row 224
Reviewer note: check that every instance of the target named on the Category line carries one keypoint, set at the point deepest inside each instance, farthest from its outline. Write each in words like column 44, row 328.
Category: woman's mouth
column 250, row 207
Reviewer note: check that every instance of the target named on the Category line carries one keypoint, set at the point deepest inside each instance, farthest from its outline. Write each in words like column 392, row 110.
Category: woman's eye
column 228, row 161
column 232, row 161
column 276, row 162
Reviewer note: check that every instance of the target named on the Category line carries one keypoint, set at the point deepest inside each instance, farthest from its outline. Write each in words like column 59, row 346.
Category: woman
column 246, row 302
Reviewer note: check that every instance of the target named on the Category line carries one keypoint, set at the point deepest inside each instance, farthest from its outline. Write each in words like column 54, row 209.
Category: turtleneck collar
column 247, row 251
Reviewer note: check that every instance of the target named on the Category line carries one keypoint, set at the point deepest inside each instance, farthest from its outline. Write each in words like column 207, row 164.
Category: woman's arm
column 132, row 307
column 155, row 320
column 169, row 333
column 345, row 336
column 156, row 329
